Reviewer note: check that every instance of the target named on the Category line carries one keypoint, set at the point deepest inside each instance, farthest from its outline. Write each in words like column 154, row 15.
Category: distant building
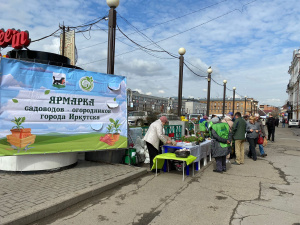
column 142, row 102
column 293, row 108
column 216, row 105
column 268, row 108
column 194, row 106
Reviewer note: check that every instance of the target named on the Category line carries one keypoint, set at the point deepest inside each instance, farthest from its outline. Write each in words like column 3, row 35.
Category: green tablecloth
column 161, row 159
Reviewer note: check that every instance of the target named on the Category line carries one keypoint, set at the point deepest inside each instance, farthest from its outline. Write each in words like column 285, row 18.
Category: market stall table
column 159, row 160
column 199, row 151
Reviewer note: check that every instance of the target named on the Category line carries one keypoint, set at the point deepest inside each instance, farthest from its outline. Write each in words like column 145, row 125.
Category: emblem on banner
column 86, row 84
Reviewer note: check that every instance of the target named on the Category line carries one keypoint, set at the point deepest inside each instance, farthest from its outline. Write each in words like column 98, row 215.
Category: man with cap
column 154, row 135
column 232, row 116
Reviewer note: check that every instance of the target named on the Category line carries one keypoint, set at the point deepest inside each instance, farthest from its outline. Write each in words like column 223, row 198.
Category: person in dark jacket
column 220, row 145
column 252, row 130
column 271, row 127
column 238, row 133
column 276, row 121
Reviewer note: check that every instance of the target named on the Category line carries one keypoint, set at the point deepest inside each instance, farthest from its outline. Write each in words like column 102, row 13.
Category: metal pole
column 181, row 59
column 224, row 93
column 233, row 101
column 208, row 94
column 245, row 106
column 251, row 107
column 63, row 41
column 112, row 18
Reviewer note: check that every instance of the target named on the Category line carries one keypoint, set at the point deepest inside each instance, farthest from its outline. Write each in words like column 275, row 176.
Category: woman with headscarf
column 221, row 139
column 153, row 136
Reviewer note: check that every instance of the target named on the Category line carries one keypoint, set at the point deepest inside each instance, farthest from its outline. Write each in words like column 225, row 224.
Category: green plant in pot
column 116, row 128
column 18, row 130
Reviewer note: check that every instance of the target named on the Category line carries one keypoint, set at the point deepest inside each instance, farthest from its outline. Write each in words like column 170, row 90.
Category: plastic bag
column 265, row 142
column 260, row 140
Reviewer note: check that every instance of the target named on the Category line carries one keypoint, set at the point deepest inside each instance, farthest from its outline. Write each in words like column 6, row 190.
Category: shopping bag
column 265, row 142
column 260, row 140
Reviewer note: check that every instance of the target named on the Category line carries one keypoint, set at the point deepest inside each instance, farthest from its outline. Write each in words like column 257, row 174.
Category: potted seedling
column 19, row 131
column 116, row 128
column 108, row 138
column 21, row 137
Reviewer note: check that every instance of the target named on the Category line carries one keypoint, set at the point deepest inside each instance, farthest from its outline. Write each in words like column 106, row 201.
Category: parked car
column 140, row 118
column 293, row 123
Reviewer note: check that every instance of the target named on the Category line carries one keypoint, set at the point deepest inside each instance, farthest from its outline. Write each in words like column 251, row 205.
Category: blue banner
column 50, row 109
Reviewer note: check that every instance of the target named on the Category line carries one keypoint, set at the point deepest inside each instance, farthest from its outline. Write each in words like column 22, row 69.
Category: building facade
column 243, row 105
column 142, row 102
column 194, row 106
column 293, row 104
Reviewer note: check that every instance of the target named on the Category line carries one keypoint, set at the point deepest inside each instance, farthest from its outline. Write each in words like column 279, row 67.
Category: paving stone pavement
column 25, row 198
column 296, row 131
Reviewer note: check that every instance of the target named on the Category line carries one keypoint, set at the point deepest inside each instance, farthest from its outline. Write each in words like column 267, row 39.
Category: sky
column 249, row 43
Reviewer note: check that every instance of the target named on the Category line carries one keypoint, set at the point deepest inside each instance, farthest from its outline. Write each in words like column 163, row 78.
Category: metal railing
column 169, row 129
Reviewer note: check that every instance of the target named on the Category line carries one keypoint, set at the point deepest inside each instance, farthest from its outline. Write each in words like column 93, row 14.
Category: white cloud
column 139, row 90
column 161, row 91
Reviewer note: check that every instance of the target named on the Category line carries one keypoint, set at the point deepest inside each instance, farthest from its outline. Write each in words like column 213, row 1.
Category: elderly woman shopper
column 263, row 134
column 153, row 136
column 252, row 130
column 228, row 119
column 221, row 139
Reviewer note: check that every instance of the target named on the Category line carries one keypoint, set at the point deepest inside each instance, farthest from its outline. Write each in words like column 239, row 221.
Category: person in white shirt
column 153, row 136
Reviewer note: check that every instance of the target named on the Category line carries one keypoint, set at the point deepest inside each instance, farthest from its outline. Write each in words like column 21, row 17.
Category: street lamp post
column 224, row 93
column 209, row 71
column 112, row 21
column 245, row 105
column 233, row 97
column 251, row 106
column 181, row 51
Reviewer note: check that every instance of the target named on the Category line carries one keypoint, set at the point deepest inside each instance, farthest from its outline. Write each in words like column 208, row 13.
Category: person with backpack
column 221, row 139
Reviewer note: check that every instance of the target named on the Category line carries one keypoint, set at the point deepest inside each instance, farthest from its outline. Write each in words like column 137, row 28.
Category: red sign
column 16, row 38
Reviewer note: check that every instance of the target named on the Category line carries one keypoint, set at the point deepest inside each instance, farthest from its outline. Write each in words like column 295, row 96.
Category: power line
column 147, row 38
column 181, row 32
column 193, row 71
column 46, row 36
column 172, row 19
column 137, row 43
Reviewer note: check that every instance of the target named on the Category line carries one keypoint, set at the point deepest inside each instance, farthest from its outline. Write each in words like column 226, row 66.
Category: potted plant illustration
column 18, row 130
column 20, row 136
column 108, row 138
column 116, row 128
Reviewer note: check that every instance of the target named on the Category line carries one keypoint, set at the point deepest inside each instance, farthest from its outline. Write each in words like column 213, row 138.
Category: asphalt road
column 266, row 191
